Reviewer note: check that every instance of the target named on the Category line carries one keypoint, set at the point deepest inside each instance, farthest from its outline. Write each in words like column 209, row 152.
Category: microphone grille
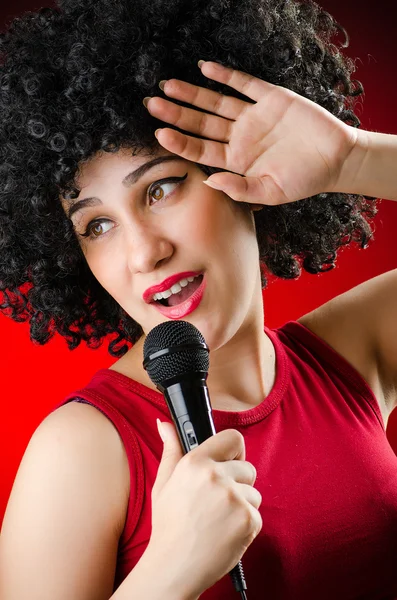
column 187, row 351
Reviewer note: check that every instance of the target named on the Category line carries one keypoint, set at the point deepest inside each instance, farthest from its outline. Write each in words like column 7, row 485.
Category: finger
column 251, row 495
column 205, row 152
column 226, row 445
column 224, row 106
column 239, row 470
column 252, row 190
column 250, row 86
column 172, row 454
column 196, row 122
column 256, row 207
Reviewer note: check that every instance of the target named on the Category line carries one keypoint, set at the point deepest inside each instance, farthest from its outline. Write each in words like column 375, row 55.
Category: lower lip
column 185, row 308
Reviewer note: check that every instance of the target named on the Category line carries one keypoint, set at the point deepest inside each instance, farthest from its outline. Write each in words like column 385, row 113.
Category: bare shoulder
column 361, row 325
column 67, row 510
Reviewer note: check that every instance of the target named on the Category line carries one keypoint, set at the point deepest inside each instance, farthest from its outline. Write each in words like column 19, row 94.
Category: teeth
column 175, row 289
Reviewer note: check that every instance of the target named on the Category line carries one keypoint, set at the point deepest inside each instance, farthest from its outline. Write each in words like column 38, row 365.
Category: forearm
column 152, row 579
column 371, row 167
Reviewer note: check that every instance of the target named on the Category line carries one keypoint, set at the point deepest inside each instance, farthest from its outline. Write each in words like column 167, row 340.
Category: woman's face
column 162, row 222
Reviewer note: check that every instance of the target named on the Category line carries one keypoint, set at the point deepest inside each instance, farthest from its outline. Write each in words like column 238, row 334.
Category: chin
column 216, row 332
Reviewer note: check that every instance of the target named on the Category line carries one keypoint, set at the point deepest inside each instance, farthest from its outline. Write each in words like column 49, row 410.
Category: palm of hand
column 286, row 147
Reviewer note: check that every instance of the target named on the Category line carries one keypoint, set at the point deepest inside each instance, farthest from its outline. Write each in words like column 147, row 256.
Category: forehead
column 105, row 170
column 115, row 165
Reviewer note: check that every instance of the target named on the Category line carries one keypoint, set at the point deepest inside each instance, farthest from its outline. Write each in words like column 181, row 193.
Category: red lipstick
column 166, row 284
column 185, row 308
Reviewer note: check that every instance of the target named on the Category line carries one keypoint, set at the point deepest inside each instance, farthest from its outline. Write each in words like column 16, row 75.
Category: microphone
column 176, row 359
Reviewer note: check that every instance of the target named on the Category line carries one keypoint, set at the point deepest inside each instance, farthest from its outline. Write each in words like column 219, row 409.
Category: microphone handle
column 190, row 407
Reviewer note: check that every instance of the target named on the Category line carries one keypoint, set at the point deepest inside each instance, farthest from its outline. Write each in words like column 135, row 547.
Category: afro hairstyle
column 72, row 80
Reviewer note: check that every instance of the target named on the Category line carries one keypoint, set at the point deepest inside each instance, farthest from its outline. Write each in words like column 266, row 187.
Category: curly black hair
column 72, row 80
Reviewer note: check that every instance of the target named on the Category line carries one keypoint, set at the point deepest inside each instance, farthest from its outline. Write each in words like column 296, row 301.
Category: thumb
column 172, row 453
column 252, row 190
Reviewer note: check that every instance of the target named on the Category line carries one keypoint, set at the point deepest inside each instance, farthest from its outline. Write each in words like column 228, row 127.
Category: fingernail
column 146, row 100
column 156, row 132
column 160, row 429
column 200, row 63
column 162, row 84
column 212, row 184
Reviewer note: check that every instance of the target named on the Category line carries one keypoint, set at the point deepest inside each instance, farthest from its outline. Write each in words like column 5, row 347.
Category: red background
column 34, row 378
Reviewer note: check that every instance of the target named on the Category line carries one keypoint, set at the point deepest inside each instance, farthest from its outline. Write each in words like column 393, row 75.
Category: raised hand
column 280, row 146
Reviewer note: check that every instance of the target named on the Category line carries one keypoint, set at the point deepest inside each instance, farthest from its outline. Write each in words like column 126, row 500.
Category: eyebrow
column 128, row 181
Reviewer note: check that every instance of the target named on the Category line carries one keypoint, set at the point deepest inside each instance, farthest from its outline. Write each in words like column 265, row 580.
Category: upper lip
column 166, row 284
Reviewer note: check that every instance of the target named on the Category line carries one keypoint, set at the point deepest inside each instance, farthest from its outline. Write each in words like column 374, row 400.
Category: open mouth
column 179, row 292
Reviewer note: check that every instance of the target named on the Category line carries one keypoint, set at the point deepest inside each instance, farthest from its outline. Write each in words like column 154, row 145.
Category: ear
column 256, row 207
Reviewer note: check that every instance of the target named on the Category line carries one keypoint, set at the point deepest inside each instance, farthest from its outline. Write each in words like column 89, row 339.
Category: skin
column 280, row 148
column 176, row 228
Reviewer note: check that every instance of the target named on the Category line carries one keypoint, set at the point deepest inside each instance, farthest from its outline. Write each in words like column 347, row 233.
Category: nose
column 147, row 248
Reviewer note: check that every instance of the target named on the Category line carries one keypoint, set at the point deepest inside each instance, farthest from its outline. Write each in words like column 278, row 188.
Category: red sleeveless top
column 325, row 470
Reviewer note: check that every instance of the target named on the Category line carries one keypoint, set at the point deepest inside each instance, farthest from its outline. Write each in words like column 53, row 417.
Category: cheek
column 211, row 220
column 224, row 227
column 106, row 270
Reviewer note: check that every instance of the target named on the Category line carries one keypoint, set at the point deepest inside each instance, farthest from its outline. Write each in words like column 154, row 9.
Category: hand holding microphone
column 205, row 508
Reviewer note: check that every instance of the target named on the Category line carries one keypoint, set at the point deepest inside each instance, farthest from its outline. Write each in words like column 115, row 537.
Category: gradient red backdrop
column 35, row 378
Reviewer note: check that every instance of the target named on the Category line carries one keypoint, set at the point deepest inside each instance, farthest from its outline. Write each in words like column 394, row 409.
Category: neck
column 242, row 371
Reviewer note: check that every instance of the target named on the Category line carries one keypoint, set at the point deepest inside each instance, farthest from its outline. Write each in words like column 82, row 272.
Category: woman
column 115, row 232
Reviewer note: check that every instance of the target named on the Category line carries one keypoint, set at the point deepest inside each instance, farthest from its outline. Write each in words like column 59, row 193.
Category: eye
column 155, row 191
column 94, row 225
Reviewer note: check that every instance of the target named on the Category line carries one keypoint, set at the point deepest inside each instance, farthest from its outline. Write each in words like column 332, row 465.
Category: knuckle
column 229, row 76
column 249, row 520
column 203, row 121
column 232, row 496
column 259, row 495
column 247, row 82
column 189, row 463
column 201, row 151
column 191, row 460
column 229, row 129
column 238, row 443
column 253, row 472
column 179, row 116
column 214, row 475
column 256, row 500
column 256, row 523
column 186, row 144
column 196, row 95
column 259, row 524
column 238, row 437
column 218, row 103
